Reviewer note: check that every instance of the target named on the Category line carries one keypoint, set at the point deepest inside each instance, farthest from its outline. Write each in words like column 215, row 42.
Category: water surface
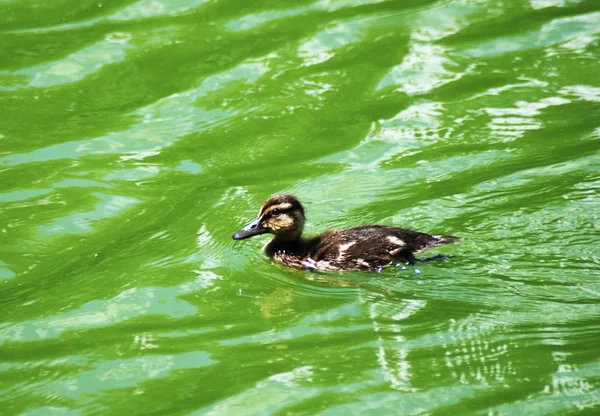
column 137, row 136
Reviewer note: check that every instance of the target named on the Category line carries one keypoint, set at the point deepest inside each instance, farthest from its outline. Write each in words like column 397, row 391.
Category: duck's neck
column 295, row 245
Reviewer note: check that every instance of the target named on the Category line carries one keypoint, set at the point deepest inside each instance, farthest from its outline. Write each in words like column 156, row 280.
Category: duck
column 364, row 248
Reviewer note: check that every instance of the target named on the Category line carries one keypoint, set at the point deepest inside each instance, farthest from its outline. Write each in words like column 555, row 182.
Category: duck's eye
column 275, row 212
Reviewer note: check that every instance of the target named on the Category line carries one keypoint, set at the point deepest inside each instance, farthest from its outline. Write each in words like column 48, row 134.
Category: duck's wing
column 391, row 239
column 369, row 247
column 361, row 248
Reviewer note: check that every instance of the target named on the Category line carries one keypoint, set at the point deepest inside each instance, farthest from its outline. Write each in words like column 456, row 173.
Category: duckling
column 368, row 247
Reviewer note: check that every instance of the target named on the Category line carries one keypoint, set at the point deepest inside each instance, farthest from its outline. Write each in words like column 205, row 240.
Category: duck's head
column 281, row 215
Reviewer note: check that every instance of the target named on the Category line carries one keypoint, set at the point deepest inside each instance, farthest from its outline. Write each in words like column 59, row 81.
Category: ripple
column 74, row 67
column 561, row 30
column 101, row 313
column 109, row 206
column 160, row 124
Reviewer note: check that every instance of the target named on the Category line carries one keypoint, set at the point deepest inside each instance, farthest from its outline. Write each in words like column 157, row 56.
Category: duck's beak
column 250, row 230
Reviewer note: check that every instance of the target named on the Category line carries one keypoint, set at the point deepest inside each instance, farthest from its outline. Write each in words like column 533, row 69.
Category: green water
column 136, row 137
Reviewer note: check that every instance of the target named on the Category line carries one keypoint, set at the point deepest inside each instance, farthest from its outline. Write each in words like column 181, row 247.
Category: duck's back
column 367, row 247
